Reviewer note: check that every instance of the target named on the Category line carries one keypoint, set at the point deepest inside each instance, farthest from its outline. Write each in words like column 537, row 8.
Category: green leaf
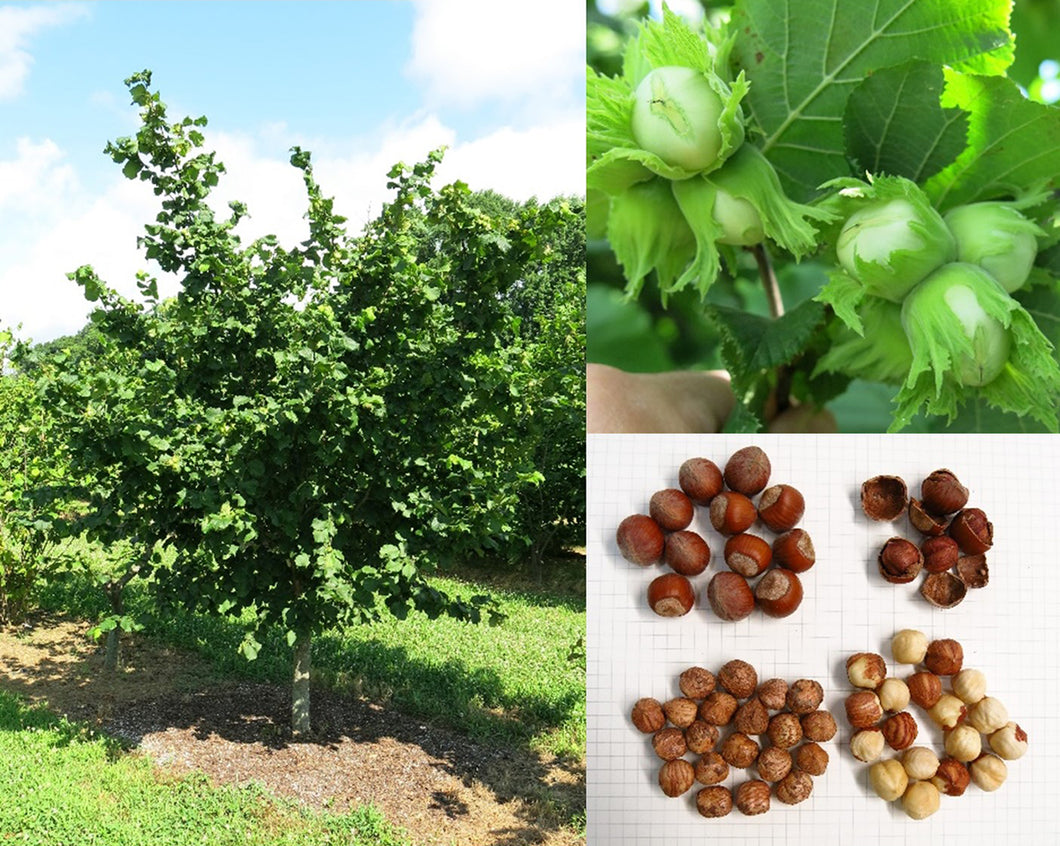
column 844, row 294
column 741, row 420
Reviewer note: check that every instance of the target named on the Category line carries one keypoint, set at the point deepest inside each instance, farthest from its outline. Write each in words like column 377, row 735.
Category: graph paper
column 1009, row 630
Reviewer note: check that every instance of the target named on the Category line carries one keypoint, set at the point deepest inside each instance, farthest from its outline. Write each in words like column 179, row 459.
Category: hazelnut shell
column 747, row 471
column 925, row 522
column 671, row 509
column 943, row 590
column 972, row 531
column 671, row 595
column 730, row 596
column 972, row 570
column 686, row 553
column 779, row 592
column 794, row 551
column 884, row 497
column 732, row 513
column 700, row 479
column 747, row 555
column 640, row 540
column 781, row 507
column 942, row 493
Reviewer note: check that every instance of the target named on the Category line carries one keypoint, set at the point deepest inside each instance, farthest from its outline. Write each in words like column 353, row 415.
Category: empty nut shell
column 940, row 554
column 713, row 802
column 884, row 497
column 972, row 570
column 640, row 539
column 943, row 590
column 924, row 522
column 671, row 509
column 942, row 493
column 749, row 555
column 730, row 596
column 747, row 471
column 781, row 507
column 900, row 561
column 686, row 553
column 779, row 593
column 794, row 551
column 972, row 531
column 700, row 479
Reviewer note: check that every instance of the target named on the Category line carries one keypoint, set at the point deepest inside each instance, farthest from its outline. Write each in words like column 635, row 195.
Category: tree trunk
column 112, row 657
column 300, row 725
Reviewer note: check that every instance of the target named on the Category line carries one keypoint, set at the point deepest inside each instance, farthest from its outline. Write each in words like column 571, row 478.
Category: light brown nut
column 924, row 688
column 680, row 711
column 701, row 737
column 899, row 730
column 804, row 696
column 774, row 763
column 784, row 730
column 811, row 758
column 676, row 777
column 648, row 715
column 752, row 798
column 795, row 787
column 738, row 677
column 714, row 801
column 819, row 726
column 951, row 777
column 863, row 709
column 718, row 708
column 944, row 657
column 669, row 743
column 751, row 717
column 739, row 750
column 697, row 683
column 866, row 669
column 711, row 769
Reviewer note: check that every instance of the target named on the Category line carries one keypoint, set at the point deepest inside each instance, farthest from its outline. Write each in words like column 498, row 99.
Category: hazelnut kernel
column 900, row 561
column 739, row 678
column 718, row 708
column 909, row 646
column 752, row 797
column 640, row 540
column 899, row 730
column 714, row 801
column 867, row 744
column 969, row 685
column 671, row 595
column 784, row 730
column 987, row 715
column 739, row 750
column 804, row 696
column 730, row 596
column 863, row 709
column 781, row 507
column 701, row 737
column 774, row 763
column 696, row 682
column 920, row 762
column 648, row 715
column 964, row 743
column 988, row 772
column 747, row 471
column 732, row 513
column 951, row 777
column 747, row 554
column 676, row 777
column 888, row 779
column 884, row 497
column 711, row 768
column 924, row 688
column 940, row 554
column 944, row 657
column 1009, row 742
column 773, row 693
column 779, row 593
column 671, row 509
column 795, row 787
column 819, row 726
column 751, row 717
column 942, row 493
column 948, row 712
column 669, row 743
column 866, row 669
column 921, row 800
column 686, row 553
column 680, row 711
column 894, row 695
column 794, row 551
column 700, row 479
column 810, row 757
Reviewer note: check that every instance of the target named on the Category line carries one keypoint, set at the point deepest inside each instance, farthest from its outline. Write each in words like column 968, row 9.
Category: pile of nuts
column 789, row 716
column 663, row 535
column 957, row 537
column 964, row 713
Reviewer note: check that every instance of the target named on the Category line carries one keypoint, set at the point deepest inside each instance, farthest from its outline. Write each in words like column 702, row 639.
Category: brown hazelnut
column 804, row 696
column 924, row 688
column 943, row 590
column 640, row 540
column 866, row 669
column 747, row 471
column 700, row 479
column 774, row 763
column 972, row 570
column 784, row 730
column 811, row 758
column 648, row 715
column 751, row 717
column 773, row 693
column 730, row 596
column 925, row 522
column 701, row 737
column 738, row 677
column 711, row 769
column 779, row 593
column 747, row 554
column 752, row 798
column 972, row 531
column 718, row 708
column 680, row 711
column 944, row 657
column 884, row 497
column 952, row 777
column 671, row 595
column 781, row 507
column 863, row 709
column 900, row 561
column 899, row 730
column 676, row 777
column 713, row 802
column 696, row 682
column 669, row 743
column 686, row 553
column 795, row 787
column 671, row 509
column 940, row 554
column 794, row 551
column 732, row 513
column 942, row 493
column 819, row 726
column 739, row 750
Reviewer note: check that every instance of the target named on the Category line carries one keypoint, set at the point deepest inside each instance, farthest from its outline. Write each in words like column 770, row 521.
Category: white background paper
column 1009, row 629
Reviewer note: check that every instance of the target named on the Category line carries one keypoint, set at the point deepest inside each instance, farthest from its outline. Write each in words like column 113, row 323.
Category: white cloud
column 17, row 25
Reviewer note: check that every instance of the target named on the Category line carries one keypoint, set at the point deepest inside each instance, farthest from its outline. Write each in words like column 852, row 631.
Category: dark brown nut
column 730, row 596
column 711, row 769
column 900, row 561
column 779, row 593
column 972, row 570
column 863, row 709
column 671, row 509
column 686, row 553
column 774, row 763
column 700, row 479
column 924, row 688
column 680, row 711
column 804, row 696
column 751, row 717
column 952, row 777
column 781, row 507
column 866, row 669
column 942, row 493
column 811, row 758
column 714, row 802
column 944, row 657
column 819, row 726
column 701, row 737
column 899, row 730
column 696, row 682
column 972, row 531
column 738, row 677
column 648, row 715
column 747, row 471
column 752, row 798
column 739, row 750
column 884, row 497
column 718, row 708
column 732, row 513
column 671, row 595
column 669, row 743
column 747, row 555
column 676, row 777
column 940, row 554
column 784, row 730
column 773, row 693
column 640, row 540
column 925, row 522
column 795, row 787
column 794, row 551
column 943, row 590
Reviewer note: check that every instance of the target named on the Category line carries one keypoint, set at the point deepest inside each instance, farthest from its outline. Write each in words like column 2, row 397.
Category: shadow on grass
column 16, row 716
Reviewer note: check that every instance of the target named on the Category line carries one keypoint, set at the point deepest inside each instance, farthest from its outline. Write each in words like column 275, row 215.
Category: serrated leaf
column 895, row 123
column 804, row 58
column 741, row 420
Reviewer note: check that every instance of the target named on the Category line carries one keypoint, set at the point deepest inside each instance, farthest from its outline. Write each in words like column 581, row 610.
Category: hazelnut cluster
column 956, row 538
column 774, row 729
column 966, row 715
column 663, row 535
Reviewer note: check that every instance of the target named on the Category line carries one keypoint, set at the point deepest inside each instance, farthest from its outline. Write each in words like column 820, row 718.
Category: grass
column 60, row 783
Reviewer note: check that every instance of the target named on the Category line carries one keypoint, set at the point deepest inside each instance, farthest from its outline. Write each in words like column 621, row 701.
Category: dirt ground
column 443, row 788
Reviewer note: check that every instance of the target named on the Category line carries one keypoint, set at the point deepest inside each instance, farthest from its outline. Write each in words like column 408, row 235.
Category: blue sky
column 361, row 84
